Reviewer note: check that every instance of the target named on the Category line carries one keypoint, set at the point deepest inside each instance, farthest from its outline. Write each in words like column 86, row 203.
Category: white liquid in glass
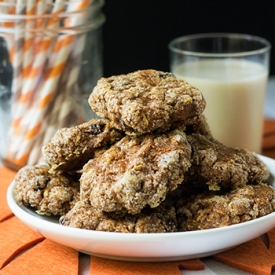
column 234, row 91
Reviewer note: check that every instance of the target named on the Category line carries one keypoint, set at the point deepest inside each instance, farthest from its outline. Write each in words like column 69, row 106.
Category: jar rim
column 16, row 23
column 83, row 28
column 93, row 7
column 175, row 45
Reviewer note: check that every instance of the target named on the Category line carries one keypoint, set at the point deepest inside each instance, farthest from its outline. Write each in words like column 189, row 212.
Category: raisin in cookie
column 145, row 101
column 70, row 148
column 136, row 171
column 49, row 194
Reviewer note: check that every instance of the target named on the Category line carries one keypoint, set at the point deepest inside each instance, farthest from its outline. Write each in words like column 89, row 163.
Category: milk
column 234, row 91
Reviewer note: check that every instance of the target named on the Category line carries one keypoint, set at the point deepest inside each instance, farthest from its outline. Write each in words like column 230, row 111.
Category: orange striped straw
column 23, row 106
column 62, row 111
column 18, row 51
column 29, row 38
column 45, row 94
column 79, row 18
column 9, row 25
column 41, row 10
column 27, row 56
column 31, row 79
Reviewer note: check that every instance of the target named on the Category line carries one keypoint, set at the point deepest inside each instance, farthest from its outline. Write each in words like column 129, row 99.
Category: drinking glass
column 231, row 70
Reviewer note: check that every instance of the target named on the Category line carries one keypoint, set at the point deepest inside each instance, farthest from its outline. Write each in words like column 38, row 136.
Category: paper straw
column 3, row 8
column 32, row 79
column 48, row 126
column 40, row 22
column 78, row 19
column 71, row 84
column 53, row 111
column 63, row 47
column 29, row 38
column 10, row 25
column 27, row 56
column 63, row 112
column 74, row 63
column 18, row 50
column 17, row 62
column 31, row 83
column 35, row 153
column 65, row 109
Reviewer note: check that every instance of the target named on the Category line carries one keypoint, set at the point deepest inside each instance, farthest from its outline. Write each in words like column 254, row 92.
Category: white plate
column 147, row 247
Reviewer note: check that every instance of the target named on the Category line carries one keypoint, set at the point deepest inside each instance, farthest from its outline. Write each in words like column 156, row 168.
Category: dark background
column 136, row 32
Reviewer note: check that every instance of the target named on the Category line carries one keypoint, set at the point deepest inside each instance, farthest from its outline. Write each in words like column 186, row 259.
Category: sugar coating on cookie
column 49, row 194
column 223, row 166
column 218, row 209
column 158, row 220
column 136, row 171
column 70, row 148
column 145, row 101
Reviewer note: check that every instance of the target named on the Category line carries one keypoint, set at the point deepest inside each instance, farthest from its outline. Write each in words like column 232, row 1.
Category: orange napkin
column 15, row 238
column 269, row 134
column 6, row 176
column 254, row 257
column 47, row 257
column 268, row 144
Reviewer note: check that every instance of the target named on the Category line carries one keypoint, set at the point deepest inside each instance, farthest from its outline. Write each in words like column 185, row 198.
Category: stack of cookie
column 148, row 164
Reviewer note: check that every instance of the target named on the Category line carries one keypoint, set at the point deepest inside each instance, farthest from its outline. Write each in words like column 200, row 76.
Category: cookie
column 146, row 101
column 70, row 148
column 49, row 194
column 222, row 166
column 136, row 171
column 212, row 209
column 158, row 220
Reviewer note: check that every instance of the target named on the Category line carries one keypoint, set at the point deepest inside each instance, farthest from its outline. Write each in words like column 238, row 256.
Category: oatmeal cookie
column 70, row 148
column 145, row 101
column 136, row 171
column 222, row 166
column 49, row 194
column 217, row 209
column 158, row 220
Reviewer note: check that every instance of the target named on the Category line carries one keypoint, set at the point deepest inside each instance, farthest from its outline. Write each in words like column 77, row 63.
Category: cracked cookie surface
column 70, row 148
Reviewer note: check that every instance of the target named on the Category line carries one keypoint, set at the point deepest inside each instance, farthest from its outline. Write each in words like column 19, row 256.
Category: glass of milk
column 231, row 71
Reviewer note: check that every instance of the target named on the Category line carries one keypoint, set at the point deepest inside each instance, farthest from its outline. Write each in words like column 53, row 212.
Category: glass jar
column 50, row 61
